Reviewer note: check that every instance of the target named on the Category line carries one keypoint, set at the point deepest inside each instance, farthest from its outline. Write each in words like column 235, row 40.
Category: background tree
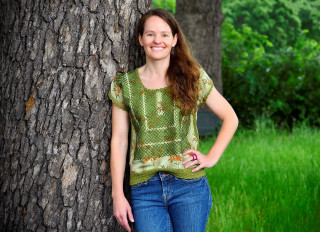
column 57, row 59
column 201, row 23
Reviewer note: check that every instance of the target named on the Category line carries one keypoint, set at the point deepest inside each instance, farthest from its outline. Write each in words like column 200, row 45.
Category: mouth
column 157, row 48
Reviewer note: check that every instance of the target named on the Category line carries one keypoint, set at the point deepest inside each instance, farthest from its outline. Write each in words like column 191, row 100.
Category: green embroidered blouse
column 159, row 132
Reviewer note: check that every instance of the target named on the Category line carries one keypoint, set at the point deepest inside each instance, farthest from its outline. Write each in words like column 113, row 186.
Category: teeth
column 154, row 48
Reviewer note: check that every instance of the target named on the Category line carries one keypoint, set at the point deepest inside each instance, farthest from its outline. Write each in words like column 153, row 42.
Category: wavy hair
column 183, row 72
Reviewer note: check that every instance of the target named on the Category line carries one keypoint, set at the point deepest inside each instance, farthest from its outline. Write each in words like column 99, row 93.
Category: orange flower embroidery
column 141, row 92
column 146, row 159
column 168, row 139
column 117, row 90
column 172, row 158
column 147, row 147
column 178, row 157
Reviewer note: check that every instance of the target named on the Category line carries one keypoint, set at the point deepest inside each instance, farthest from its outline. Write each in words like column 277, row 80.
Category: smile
column 157, row 48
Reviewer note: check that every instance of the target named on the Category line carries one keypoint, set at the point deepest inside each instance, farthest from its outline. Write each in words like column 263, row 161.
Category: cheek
column 141, row 40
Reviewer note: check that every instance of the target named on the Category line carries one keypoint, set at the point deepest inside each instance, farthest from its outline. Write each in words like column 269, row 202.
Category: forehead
column 155, row 23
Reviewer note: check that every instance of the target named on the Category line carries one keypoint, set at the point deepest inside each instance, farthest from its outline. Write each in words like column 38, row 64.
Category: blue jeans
column 167, row 203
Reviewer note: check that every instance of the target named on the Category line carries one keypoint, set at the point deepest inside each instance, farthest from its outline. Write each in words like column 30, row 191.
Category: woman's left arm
column 219, row 106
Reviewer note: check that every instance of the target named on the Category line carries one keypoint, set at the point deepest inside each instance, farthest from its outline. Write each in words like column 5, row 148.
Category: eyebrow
column 161, row 31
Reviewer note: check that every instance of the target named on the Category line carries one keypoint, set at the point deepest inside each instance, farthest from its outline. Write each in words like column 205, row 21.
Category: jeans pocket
column 194, row 180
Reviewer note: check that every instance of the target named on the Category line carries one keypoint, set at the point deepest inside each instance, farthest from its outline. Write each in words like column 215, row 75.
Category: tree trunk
column 58, row 59
column 201, row 23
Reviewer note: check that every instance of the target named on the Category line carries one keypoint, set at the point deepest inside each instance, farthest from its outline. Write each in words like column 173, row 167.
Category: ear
column 140, row 40
column 175, row 40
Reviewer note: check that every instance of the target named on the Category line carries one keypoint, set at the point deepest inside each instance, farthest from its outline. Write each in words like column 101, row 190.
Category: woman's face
column 157, row 38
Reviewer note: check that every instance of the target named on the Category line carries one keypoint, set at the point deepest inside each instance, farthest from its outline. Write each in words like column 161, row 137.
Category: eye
column 150, row 34
column 165, row 35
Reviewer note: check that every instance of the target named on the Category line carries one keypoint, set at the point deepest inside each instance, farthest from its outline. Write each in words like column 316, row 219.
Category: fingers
column 130, row 215
column 189, row 159
column 123, row 221
column 200, row 166
column 122, row 218
column 190, row 151
column 193, row 158
column 190, row 164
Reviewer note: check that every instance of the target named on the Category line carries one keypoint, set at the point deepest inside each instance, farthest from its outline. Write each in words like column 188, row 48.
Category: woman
column 169, row 189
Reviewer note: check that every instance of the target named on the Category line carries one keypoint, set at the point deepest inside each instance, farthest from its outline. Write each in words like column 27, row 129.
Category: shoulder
column 125, row 76
column 204, row 78
column 205, row 85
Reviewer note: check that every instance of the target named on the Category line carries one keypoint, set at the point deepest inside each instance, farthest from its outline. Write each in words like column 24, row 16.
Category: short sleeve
column 205, row 85
column 116, row 93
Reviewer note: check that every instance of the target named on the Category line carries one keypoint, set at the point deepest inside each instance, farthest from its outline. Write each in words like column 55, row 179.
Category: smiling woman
column 157, row 39
column 159, row 101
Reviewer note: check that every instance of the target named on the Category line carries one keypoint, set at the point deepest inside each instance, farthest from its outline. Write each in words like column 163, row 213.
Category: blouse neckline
column 163, row 88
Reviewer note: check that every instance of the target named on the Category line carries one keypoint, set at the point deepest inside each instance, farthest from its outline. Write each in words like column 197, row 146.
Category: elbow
column 235, row 120
column 232, row 120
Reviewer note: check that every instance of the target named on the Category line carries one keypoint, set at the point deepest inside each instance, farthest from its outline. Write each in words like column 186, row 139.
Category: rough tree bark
column 201, row 23
column 58, row 58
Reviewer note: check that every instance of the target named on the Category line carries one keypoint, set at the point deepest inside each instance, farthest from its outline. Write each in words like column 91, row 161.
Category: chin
column 158, row 57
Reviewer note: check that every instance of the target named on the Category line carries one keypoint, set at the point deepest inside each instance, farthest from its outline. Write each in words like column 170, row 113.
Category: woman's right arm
column 119, row 148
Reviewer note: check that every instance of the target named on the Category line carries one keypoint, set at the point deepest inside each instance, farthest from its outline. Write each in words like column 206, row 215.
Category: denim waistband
column 161, row 176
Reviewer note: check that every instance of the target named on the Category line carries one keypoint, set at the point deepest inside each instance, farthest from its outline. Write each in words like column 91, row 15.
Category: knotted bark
column 57, row 61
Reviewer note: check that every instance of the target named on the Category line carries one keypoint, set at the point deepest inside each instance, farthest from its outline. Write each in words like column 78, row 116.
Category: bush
column 283, row 85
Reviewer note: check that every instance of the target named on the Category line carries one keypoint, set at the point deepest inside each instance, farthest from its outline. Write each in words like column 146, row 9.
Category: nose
column 157, row 39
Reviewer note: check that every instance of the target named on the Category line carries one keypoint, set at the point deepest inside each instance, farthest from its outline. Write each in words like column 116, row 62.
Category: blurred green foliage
column 281, row 20
column 169, row 5
column 283, row 85
column 271, row 60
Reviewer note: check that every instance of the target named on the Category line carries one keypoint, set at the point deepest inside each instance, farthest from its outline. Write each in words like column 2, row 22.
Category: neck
column 157, row 68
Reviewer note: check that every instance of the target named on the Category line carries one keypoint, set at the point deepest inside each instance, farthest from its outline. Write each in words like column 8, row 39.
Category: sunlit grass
column 267, row 180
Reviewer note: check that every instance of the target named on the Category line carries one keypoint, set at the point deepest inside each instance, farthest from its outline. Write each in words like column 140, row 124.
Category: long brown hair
column 183, row 72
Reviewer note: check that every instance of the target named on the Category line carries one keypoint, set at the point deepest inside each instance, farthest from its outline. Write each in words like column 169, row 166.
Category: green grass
column 267, row 180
